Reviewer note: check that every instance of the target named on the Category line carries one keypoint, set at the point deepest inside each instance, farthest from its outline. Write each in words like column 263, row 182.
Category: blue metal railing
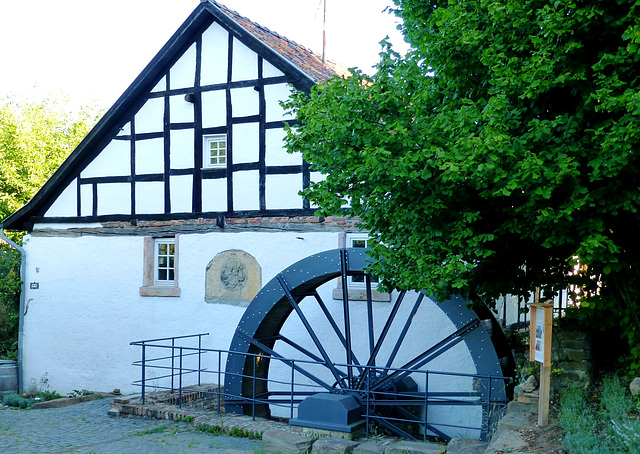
column 165, row 365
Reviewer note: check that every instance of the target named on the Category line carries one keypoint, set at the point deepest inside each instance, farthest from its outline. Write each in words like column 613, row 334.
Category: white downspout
column 23, row 269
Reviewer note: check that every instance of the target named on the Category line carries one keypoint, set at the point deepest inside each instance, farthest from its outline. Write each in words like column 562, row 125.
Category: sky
column 91, row 50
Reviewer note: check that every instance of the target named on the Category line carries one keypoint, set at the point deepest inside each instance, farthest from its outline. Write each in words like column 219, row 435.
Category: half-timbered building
column 182, row 202
column 183, row 180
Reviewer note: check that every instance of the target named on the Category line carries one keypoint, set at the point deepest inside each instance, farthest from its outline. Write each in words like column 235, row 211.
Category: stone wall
column 571, row 358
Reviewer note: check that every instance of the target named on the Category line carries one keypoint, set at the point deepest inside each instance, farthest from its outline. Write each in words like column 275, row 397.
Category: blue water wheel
column 302, row 326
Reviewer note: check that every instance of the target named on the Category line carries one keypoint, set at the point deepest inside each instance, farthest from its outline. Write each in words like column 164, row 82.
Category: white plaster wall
column 282, row 191
column 86, row 200
column 181, row 109
column 67, row 202
column 245, row 62
column 149, row 197
column 113, row 160
column 181, row 193
column 245, row 190
column 125, row 130
column 87, row 309
column 214, row 109
column 244, row 102
column 245, row 143
column 181, row 150
column 183, row 72
column 273, row 94
column 215, row 55
column 268, row 70
column 160, row 86
column 114, row 198
column 150, row 116
column 276, row 154
column 149, row 156
column 214, row 195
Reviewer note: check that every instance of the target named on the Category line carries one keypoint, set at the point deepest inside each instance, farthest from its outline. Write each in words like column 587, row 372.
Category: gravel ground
column 86, row 428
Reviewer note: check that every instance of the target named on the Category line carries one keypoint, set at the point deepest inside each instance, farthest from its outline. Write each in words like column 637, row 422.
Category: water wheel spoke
column 367, row 280
column 428, row 355
column 388, row 424
column 286, row 361
column 405, row 329
column 347, row 318
column 336, row 329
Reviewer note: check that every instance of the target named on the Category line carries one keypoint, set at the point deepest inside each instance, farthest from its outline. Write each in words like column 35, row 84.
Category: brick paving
column 87, row 428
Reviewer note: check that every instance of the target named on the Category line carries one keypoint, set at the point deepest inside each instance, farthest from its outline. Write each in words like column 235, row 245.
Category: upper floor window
column 215, row 151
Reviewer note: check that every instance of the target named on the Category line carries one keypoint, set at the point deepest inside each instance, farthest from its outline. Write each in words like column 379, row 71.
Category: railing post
column 293, row 371
column 426, row 403
column 199, row 357
column 253, row 400
column 219, row 367
column 173, row 343
column 368, row 371
column 144, row 372
column 180, row 381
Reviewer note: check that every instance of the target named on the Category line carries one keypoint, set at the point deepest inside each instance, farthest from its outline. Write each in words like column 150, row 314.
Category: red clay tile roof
column 305, row 59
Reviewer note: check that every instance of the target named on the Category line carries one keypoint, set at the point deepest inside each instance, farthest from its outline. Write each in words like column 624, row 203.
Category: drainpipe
column 23, row 270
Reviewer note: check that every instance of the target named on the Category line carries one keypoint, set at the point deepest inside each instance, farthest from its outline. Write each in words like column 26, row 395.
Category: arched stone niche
column 233, row 277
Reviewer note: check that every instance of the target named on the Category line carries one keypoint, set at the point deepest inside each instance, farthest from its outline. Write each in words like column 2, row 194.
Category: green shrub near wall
column 9, row 301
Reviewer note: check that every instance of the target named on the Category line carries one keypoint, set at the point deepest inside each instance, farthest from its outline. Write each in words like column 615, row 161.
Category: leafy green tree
column 500, row 154
column 35, row 137
column 9, row 301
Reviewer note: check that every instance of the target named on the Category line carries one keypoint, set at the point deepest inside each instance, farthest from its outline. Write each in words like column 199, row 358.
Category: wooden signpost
column 541, row 323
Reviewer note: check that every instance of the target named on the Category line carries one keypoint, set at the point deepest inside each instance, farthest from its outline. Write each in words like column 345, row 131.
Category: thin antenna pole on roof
column 324, row 30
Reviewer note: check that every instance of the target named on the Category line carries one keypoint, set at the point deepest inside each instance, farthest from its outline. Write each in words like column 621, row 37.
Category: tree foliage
column 500, row 154
column 9, row 301
column 35, row 137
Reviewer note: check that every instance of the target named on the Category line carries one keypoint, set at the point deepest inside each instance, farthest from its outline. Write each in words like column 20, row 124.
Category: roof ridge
column 330, row 64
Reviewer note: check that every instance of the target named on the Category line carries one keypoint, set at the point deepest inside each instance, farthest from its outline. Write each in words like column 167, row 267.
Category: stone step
column 466, row 446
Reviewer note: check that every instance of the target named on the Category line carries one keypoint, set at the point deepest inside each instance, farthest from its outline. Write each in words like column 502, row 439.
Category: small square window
column 360, row 241
column 215, row 151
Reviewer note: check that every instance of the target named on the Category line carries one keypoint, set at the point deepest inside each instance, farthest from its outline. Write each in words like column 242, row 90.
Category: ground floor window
column 160, row 267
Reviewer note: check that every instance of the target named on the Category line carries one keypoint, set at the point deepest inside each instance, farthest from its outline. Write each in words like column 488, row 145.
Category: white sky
column 93, row 49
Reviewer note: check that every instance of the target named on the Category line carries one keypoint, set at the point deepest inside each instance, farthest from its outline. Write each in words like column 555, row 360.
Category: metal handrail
column 370, row 396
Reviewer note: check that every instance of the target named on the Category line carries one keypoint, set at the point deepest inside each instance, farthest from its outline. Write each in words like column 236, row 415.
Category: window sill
column 360, row 294
column 159, row 290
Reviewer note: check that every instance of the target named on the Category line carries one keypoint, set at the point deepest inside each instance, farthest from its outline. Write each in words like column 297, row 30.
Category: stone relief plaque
column 233, row 277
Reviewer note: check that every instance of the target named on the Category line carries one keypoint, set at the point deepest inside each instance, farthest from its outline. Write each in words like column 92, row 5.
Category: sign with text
column 541, row 322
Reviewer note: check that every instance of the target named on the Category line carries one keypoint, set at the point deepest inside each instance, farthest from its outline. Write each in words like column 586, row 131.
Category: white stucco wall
column 87, row 308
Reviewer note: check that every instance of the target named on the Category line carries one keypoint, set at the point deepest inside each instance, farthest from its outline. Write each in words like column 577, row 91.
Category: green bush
column 9, row 301
column 606, row 423
column 16, row 400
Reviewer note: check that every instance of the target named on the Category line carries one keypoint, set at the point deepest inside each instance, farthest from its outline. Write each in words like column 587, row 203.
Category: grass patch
column 215, row 430
column 241, row 433
column 606, row 420
column 235, row 432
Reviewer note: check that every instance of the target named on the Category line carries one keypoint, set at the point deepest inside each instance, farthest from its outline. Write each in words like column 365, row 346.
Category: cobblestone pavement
column 86, row 428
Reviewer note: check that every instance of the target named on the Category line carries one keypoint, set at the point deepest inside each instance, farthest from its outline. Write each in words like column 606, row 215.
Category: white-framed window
column 357, row 240
column 356, row 285
column 215, row 151
column 160, row 267
column 164, row 261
